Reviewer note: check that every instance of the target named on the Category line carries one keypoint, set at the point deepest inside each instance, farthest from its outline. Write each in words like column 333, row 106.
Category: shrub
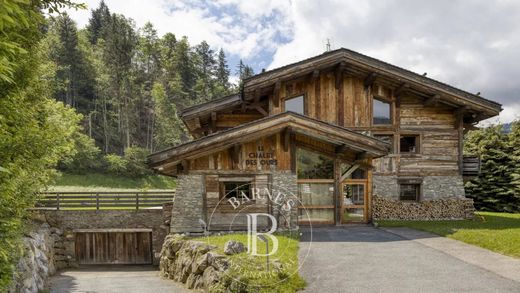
column 115, row 164
column 136, row 162
column 87, row 158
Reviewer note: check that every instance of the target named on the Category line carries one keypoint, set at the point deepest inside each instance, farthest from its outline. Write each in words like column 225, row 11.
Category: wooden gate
column 114, row 247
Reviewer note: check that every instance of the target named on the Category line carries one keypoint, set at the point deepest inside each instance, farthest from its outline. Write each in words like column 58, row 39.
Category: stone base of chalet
column 437, row 209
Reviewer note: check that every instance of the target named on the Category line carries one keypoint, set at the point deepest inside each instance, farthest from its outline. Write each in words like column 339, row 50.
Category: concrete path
column 366, row 259
column 113, row 279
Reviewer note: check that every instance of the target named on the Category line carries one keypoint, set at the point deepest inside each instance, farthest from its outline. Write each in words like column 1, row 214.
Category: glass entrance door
column 354, row 201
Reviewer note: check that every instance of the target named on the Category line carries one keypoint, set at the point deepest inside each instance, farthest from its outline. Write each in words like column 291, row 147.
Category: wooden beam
column 315, row 75
column 341, row 149
column 433, row 100
column 459, row 115
column 235, row 154
column 286, row 139
column 213, row 122
column 401, row 89
column 261, row 110
column 339, row 73
column 370, row 79
column 349, row 172
column 362, row 155
column 185, row 164
column 276, row 94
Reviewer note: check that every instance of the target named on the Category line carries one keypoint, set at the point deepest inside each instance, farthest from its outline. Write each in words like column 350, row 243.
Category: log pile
column 438, row 209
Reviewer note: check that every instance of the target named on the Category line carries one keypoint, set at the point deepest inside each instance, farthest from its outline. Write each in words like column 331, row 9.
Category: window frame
column 414, row 182
column 418, row 140
column 417, row 192
column 391, row 110
column 304, row 98
column 237, row 181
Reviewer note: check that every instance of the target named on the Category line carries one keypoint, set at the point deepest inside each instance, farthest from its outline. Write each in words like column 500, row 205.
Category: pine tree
column 206, row 65
column 98, row 22
column 493, row 189
column 244, row 71
column 186, row 77
column 222, row 73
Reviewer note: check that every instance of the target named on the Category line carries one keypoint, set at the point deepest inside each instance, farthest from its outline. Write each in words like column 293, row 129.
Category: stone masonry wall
column 286, row 182
column 433, row 187
column 69, row 220
column 442, row 197
column 188, row 205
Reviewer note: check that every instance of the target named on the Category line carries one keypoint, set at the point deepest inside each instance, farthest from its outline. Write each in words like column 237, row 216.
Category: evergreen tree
column 206, row 65
column 222, row 75
column 493, row 189
column 99, row 20
column 244, row 71
column 186, row 76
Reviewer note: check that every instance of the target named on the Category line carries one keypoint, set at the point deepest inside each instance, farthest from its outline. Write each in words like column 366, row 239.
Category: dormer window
column 381, row 112
column 295, row 105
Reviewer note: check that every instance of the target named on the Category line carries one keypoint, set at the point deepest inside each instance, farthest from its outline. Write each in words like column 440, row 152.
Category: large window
column 409, row 144
column 312, row 165
column 409, row 192
column 381, row 112
column 296, row 105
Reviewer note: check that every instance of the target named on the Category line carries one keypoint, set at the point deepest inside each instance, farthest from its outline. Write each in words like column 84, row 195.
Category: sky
column 472, row 44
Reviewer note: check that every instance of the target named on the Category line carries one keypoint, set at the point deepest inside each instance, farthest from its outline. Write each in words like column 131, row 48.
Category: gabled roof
column 383, row 70
column 268, row 126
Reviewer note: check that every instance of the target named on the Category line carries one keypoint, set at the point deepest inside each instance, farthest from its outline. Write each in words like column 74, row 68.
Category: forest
column 97, row 99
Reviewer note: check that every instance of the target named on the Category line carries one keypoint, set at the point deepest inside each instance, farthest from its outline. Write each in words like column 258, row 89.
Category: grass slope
column 106, row 182
column 252, row 269
column 499, row 232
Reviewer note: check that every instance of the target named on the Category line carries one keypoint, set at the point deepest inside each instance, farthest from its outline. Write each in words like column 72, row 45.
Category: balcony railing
column 470, row 166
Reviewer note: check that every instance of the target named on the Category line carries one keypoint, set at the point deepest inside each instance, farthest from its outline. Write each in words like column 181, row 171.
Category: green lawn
column 252, row 269
column 499, row 232
column 105, row 182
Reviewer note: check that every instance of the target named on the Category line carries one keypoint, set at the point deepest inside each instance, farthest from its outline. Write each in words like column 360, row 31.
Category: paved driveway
column 113, row 279
column 366, row 259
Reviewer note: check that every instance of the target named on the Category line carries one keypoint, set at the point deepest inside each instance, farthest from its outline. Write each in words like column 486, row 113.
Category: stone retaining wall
column 191, row 262
column 433, row 187
column 438, row 209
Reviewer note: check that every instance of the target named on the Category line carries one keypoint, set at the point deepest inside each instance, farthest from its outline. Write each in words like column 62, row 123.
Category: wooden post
column 137, row 201
column 97, row 201
column 58, row 201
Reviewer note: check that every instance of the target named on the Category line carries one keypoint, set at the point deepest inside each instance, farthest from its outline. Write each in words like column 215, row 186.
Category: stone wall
column 188, row 205
column 442, row 197
column 436, row 209
column 38, row 261
column 191, row 262
column 286, row 182
column 433, row 187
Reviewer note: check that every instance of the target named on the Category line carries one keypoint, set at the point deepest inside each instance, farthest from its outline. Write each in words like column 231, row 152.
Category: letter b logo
column 252, row 234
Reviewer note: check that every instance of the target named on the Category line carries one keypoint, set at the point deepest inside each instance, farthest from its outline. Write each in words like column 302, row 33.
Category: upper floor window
column 381, row 112
column 295, row 105
column 409, row 144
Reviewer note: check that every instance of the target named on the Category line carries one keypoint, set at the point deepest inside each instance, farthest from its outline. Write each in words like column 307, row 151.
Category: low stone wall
column 438, row 209
column 38, row 261
column 191, row 262
column 433, row 187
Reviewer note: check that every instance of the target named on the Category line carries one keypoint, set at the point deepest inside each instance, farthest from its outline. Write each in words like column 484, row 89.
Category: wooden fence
column 103, row 200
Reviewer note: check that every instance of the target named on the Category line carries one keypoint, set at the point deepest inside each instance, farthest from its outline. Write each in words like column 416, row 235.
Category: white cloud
column 472, row 45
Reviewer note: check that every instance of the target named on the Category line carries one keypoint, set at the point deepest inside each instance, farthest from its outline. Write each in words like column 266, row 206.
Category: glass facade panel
column 312, row 165
column 354, row 215
column 353, row 194
column 312, row 194
column 316, row 215
column 295, row 105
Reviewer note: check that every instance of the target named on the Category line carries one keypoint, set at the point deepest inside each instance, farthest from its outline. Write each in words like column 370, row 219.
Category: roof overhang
column 369, row 146
column 358, row 64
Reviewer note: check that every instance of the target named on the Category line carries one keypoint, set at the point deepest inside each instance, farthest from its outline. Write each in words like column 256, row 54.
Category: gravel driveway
column 366, row 259
column 113, row 279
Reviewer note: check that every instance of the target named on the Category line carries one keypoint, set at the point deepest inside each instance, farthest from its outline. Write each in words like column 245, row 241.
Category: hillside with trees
column 129, row 84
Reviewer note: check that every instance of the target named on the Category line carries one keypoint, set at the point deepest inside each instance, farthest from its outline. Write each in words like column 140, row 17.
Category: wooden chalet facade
column 353, row 137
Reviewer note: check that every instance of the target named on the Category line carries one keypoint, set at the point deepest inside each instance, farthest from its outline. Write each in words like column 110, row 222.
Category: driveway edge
column 504, row 266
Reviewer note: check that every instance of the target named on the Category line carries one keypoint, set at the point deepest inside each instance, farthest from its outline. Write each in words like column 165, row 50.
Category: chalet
column 353, row 137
